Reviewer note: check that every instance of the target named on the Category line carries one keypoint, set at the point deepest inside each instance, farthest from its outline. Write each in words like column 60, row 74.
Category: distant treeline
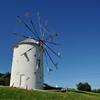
column 5, row 79
column 86, row 87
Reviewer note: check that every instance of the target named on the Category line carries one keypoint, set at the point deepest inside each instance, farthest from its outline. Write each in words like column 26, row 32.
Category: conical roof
column 28, row 40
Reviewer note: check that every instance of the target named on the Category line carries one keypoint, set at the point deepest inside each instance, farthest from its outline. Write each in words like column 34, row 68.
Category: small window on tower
column 38, row 62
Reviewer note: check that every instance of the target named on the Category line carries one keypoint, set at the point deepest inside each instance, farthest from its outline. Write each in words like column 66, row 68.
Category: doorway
column 22, row 80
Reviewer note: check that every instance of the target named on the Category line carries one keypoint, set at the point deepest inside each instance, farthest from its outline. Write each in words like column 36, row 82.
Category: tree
column 5, row 79
column 1, row 74
column 1, row 81
column 98, row 90
column 94, row 90
column 83, row 86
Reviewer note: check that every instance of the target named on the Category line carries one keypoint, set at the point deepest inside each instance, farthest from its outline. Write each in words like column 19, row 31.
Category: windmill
column 27, row 64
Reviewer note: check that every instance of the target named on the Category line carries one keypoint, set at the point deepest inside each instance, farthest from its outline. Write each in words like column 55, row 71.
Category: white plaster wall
column 26, row 64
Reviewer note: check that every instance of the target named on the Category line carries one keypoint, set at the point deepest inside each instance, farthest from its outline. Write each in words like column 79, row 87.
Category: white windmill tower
column 27, row 64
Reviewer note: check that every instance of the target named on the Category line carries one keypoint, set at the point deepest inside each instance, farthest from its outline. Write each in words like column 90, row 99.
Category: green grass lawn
column 7, row 93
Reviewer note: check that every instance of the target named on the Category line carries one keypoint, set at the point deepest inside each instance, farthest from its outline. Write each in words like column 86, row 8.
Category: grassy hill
column 7, row 93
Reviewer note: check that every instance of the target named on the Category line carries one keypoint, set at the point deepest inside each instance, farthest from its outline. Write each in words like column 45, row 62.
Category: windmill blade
column 52, row 51
column 38, row 59
column 21, row 35
column 50, row 36
column 34, row 28
column 59, row 44
column 44, row 29
column 46, row 58
column 19, row 38
column 27, row 14
column 26, row 56
column 53, row 43
column 38, row 15
column 49, row 70
column 28, row 50
column 25, row 53
column 58, row 54
column 28, row 27
column 56, row 64
column 41, row 51
column 50, row 58
column 38, row 64
column 20, row 21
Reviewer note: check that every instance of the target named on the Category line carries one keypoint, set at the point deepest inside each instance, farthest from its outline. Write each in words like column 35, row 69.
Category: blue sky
column 77, row 23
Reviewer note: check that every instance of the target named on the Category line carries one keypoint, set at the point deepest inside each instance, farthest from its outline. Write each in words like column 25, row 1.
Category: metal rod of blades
column 28, row 27
column 24, row 36
column 21, row 35
column 34, row 27
column 50, row 36
column 52, row 51
column 28, row 50
column 50, row 57
column 53, row 43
